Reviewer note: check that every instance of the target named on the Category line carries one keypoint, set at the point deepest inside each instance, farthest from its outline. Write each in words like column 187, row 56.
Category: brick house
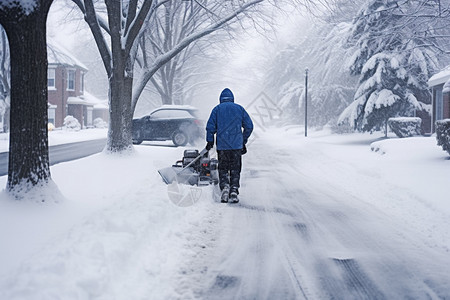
column 440, row 86
column 66, row 90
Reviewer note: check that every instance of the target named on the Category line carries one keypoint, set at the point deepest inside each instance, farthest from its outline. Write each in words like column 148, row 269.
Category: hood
column 226, row 96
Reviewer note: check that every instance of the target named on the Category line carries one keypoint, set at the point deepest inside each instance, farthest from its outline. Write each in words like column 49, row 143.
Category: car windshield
column 171, row 114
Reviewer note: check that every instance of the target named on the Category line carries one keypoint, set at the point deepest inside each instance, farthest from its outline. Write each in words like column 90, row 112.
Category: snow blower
column 195, row 168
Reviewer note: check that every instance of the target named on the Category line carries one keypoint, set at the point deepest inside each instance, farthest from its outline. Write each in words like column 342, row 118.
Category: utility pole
column 306, row 102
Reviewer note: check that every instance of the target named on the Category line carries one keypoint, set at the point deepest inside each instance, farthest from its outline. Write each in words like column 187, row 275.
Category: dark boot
column 234, row 197
column 234, row 192
column 225, row 194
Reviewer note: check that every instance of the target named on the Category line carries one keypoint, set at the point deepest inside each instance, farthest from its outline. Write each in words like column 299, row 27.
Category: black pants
column 230, row 164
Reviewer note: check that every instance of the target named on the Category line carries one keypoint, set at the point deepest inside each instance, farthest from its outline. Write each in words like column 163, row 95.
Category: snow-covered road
column 322, row 217
column 299, row 234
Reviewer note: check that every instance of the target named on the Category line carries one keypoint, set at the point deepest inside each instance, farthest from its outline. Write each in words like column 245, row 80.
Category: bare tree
column 167, row 27
column 25, row 26
column 201, row 19
column 122, row 21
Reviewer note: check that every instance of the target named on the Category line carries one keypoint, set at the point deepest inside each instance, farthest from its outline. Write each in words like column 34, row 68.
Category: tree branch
column 92, row 20
column 164, row 58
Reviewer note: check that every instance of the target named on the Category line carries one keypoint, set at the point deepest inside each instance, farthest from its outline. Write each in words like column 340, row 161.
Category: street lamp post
column 306, row 102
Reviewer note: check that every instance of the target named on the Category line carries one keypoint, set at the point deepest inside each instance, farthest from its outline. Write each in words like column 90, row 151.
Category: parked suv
column 178, row 123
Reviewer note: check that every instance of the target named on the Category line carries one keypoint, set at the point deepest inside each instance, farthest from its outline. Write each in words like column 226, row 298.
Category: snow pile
column 116, row 225
column 414, row 149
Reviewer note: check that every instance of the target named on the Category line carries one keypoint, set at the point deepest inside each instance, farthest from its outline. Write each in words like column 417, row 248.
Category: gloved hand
column 209, row 145
column 244, row 150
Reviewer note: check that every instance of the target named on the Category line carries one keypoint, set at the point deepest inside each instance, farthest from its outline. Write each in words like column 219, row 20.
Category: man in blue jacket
column 226, row 121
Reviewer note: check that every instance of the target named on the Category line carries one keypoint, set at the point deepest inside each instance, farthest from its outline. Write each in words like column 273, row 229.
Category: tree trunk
column 28, row 147
column 120, row 91
column 385, row 128
column 166, row 99
column 120, row 86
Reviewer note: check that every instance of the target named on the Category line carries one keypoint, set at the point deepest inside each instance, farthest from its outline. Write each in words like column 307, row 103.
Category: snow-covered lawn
column 352, row 202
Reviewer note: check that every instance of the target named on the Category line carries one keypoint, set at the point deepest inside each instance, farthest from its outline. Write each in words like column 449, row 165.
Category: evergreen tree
column 330, row 84
column 393, row 63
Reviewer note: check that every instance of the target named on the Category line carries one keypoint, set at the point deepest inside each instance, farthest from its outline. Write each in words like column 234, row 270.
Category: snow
column 440, row 78
column 315, row 212
column 379, row 99
column 58, row 55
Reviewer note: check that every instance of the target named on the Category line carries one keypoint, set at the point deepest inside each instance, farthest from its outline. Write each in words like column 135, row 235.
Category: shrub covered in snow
column 443, row 134
column 99, row 123
column 406, row 126
column 71, row 123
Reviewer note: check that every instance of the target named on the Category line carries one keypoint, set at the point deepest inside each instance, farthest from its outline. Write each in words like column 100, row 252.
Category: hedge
column 405, row 126
column 443, row 134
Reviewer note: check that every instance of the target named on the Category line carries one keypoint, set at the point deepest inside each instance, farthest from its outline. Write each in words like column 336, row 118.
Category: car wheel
column 180, row 138
column 137, row 138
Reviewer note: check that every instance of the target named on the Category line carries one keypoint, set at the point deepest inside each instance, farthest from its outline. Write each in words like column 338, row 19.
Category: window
column 82, row 83
column 70, row 80
column 51, row 79
column 439, row 105
column 51, row 111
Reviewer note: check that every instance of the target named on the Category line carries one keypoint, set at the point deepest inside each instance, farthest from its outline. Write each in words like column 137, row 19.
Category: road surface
column 298, row 236
column 62, row 153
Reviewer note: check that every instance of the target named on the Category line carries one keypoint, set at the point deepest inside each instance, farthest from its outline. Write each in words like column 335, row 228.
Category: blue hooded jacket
column 226, row 121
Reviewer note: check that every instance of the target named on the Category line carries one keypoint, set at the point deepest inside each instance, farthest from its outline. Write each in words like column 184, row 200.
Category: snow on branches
column 393, row 64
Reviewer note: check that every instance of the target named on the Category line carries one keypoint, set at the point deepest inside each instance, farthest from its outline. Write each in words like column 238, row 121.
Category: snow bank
column 115, row 230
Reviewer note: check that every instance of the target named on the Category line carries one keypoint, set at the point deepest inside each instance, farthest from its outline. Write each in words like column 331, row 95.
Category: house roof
column 440, row 78
column 89, row 100
column 58, row 55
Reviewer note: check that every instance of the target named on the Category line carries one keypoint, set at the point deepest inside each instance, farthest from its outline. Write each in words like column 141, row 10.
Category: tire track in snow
column 248, row 266
column 352, row 240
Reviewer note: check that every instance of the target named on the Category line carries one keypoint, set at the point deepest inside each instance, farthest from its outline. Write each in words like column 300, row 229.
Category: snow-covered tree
column 25, row 26
column 330, row 86
column 393, row 62
column 122, row 22
column 381, row 95
column 168, row 26
column 175, row 80
column 199, row 19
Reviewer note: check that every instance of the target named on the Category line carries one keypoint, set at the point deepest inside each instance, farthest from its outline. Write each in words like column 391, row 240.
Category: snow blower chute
column 195, row 168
